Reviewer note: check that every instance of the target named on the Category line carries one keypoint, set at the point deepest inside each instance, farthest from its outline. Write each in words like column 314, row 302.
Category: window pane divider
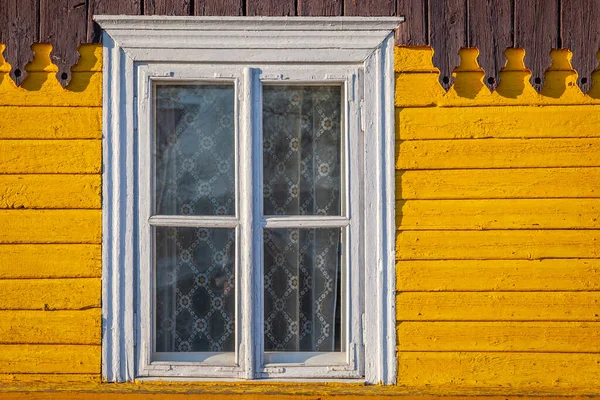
column 305, row 221
column 184, row 221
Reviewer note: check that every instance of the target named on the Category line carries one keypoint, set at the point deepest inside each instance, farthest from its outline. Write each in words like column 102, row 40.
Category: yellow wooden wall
column 498, row 210
column 498, row 247
column 50, row 220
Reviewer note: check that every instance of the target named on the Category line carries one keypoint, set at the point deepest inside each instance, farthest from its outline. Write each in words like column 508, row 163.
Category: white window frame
column 353, row 51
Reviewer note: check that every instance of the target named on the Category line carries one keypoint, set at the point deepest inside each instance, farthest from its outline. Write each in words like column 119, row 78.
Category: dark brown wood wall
column 446, row 25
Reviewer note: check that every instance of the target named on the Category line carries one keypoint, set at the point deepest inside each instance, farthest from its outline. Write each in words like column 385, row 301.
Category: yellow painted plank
column 453, row 372
column 50, row 261
column 13, row 383
column 50, row 226
column 50, row 294
column 499, row 183
column 50, row 122
column 497, row 245
column 50, row 156
column 498, row 306
column 497, row 122
column 50, row 327
column 498, row 214
column 50, row 191
column 498, row 275
column 497, row 153
column 48, row 359
column 564, row 337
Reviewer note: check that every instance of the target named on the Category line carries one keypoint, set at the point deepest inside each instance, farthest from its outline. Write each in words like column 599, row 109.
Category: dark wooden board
column 167, row 7
column 18, row 31
column 320, row 7
column 271, row 7
column 490, row 30
column 108, row 7
column 370, row 7
column 537, row 31
column 63, row 24
column 581, row 34
column 219, row 7
column 414, row 30
column 447, row 35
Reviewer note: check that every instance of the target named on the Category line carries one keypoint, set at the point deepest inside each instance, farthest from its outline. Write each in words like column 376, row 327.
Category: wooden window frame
column 355, row 52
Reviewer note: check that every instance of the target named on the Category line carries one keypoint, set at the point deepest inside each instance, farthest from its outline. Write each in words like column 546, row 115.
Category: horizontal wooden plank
column 505, row 373
column 49, row 359
column 498, row 306
column 50, row 156
column 50, row 327
column 564, row 337
column 499, row 183
column 497, row 153
column 497, row 245
column 498, row 214
column 498, row 275
column 50, row 261
column 50, row 294
column 50, row 122
column 497, row 122
column 50, row 191
column 51, row 226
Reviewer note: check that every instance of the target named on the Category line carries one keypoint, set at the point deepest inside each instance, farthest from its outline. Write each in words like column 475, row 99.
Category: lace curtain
column 195, row 267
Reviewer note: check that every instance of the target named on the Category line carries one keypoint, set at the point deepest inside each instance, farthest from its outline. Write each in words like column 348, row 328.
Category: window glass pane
column 195, row 164
column 302, row 299
column 301, row 150
column 195, row 289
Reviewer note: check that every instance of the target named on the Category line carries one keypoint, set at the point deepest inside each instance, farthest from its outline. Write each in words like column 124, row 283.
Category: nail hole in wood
column 446, row 80
column 17, row 73
column 491, row 80
column 583, row 81
column 64, row 76
column 537, row 81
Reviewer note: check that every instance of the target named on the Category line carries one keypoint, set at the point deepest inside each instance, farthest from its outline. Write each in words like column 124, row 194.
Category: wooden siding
column 446, row 25
column 50, row 217
column 498, row 242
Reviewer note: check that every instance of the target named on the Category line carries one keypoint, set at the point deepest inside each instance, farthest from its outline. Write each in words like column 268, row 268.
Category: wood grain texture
column 50, row 156
column 500, row 373
column 581, row 35
column 498, row 214
column 219, row 7
column 369, row 7
column 50, row 294
column 537, row 31
column 18, row 31
column 270, row 7
column 498, row 275
column 50, row 122
column 497, row 245
column 414, row 30
column 50, row 191
column 167, row 7
column 497, row 122
column 51, row 226
column 49, row 359
column 497, row 153
column 538, row 337
column 320, row 8
column 108, row 7
column 447, row 35
column 498, row 306
column 490, row 30
column 499, row 183
column 50, row 261
column 63, row 24
column 50, row 327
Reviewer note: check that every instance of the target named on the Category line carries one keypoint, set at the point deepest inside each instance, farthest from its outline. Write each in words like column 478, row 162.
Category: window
column 248, row 198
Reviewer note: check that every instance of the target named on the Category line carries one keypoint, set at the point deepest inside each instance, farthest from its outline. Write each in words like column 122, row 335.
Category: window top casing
column 132, row 41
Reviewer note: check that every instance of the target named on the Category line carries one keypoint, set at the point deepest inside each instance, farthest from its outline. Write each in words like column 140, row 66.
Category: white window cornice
column 131, row 41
